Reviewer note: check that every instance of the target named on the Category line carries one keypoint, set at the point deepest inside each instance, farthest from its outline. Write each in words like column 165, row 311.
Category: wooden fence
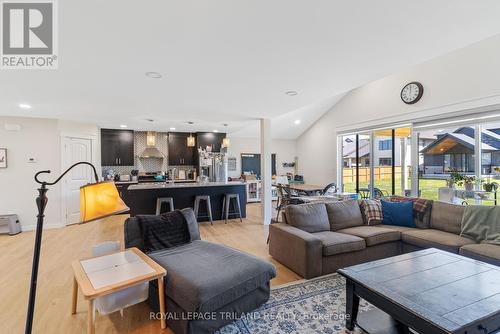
column 380, row 173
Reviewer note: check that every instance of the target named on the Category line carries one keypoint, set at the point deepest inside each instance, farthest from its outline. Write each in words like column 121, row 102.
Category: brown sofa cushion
column 435, row 238
column 308, row 217
column 344, row 214
column 373, row 235
column 447, row 217
column 337, row 243
column 483, row 252
column 397, row 228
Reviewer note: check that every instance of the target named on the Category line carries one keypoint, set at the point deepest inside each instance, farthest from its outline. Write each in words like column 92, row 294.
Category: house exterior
column 455, row 150
column 382, row 155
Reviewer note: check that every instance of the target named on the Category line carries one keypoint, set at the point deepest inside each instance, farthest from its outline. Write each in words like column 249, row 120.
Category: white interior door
column 75, row 150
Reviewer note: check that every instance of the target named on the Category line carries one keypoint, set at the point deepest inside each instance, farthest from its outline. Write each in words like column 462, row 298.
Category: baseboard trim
column 49, row 226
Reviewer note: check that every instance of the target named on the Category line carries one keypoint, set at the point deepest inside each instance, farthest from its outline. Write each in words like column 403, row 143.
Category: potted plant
column 455, row 178
column 496, row 172
column 468, row 182
column 489, row 186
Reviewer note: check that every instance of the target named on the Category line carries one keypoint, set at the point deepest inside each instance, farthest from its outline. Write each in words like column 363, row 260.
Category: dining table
column 308, row 189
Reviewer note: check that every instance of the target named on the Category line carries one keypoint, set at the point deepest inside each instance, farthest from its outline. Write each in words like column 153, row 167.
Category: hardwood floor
column 62, row 246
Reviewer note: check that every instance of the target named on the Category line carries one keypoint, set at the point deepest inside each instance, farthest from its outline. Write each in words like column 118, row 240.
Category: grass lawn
column 428, row 188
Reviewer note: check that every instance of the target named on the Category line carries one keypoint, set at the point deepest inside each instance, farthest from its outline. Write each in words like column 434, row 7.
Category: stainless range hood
column 151, row 151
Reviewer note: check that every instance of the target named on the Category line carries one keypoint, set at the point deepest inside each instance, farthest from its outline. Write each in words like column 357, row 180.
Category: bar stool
column 161, row 200
column 226, row 203
column 197, row 200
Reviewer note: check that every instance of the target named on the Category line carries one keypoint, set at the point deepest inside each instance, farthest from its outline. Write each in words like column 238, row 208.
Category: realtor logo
column 28, row 35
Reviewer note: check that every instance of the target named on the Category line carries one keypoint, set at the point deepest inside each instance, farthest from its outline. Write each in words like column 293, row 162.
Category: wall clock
column 412, row 92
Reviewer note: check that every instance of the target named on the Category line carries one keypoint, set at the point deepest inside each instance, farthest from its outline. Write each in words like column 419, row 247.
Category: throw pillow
column 372, row 211
column 398, row 213
column 308, row 217
column 344, row 214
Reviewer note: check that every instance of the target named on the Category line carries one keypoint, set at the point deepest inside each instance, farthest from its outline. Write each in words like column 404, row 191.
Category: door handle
column 120, row 161
column 116, row 161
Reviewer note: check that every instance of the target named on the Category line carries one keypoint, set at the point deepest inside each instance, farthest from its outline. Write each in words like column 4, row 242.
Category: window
column 385, row 161
column 442, row 150
column 490, row 162
column 395, row 166
column 355, row 162
column 385, row 145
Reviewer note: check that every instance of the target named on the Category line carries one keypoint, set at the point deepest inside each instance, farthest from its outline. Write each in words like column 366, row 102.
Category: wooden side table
column 103, row 275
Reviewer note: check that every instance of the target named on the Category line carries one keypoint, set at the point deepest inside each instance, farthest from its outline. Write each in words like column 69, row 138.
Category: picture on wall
column 3, row 158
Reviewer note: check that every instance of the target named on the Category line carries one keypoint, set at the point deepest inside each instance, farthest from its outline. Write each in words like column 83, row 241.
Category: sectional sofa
column 317, row 239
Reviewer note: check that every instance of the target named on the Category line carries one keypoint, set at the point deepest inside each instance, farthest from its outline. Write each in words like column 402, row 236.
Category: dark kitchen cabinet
column 212, row 139
column 117, row 147
column 179, row 154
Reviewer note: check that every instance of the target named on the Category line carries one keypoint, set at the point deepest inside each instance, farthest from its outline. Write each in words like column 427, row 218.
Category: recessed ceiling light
column 297, row 121
column 190, row 123
column 153, row 75
column 149, row 120
column 291, row 93
column 225, row 124
column 215, row 130
column 24, row 106
column 172, row 129
column 123, row 126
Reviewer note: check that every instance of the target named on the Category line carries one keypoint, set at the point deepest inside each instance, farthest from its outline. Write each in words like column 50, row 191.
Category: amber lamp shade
column 100, row 200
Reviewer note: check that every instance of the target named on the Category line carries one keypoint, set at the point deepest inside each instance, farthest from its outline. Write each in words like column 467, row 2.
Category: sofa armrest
column 299, row 250
column 192, row 223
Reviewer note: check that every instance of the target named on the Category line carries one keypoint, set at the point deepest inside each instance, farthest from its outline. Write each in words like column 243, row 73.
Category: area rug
column 311, row 306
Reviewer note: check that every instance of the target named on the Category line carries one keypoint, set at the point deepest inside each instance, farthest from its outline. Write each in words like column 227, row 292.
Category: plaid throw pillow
column 372, row 211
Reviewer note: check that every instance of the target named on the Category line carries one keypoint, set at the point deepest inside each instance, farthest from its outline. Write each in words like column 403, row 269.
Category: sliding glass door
column 422, row 159
column 355, row 162
column 442, row 151
column 377, row 161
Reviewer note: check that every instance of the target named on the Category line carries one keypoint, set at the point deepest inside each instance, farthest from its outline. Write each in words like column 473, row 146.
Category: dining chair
column 330, row 189
column 379, row 193
column 364, row 193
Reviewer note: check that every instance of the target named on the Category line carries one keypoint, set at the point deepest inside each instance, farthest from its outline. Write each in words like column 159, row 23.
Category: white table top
column 115, row 268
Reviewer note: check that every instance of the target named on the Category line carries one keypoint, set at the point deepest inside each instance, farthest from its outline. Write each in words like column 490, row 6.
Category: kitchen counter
column 126, row 182
column 169, row 185
column 142, row 197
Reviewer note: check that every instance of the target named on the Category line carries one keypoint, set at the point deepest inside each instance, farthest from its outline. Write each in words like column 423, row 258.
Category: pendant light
column 190, row 140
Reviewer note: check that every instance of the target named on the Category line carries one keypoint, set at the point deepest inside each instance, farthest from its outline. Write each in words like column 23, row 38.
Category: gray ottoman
column 207, row 284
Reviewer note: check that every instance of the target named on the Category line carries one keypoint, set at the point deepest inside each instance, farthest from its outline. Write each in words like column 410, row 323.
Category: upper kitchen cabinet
column 117, row 147
column 179, row 154
column 210, row 139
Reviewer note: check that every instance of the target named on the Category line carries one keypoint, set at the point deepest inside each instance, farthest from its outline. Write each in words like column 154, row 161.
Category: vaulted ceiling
column 232, row 61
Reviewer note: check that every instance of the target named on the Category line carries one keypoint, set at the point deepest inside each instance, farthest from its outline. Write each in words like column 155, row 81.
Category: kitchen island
column 141, row 198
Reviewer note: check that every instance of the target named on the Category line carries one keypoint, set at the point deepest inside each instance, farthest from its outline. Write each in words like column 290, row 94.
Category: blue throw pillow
column 397, row 213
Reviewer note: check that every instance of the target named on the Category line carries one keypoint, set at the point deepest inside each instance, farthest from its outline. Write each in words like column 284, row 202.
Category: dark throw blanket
column 164, row 231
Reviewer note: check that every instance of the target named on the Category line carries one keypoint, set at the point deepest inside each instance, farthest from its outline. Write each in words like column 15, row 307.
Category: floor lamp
column 97, row 200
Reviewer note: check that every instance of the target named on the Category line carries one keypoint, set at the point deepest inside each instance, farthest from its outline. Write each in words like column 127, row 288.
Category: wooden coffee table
column 429, row 291
column 100, row 276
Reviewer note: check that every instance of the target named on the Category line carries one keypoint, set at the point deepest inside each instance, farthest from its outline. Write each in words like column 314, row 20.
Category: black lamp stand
column 41, row 203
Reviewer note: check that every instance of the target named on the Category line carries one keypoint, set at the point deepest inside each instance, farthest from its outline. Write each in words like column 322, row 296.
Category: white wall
column 285, row 152
column 461, row 80
column 39, row 139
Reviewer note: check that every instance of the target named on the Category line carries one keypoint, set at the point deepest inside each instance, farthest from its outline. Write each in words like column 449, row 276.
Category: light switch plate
column 12, row 127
